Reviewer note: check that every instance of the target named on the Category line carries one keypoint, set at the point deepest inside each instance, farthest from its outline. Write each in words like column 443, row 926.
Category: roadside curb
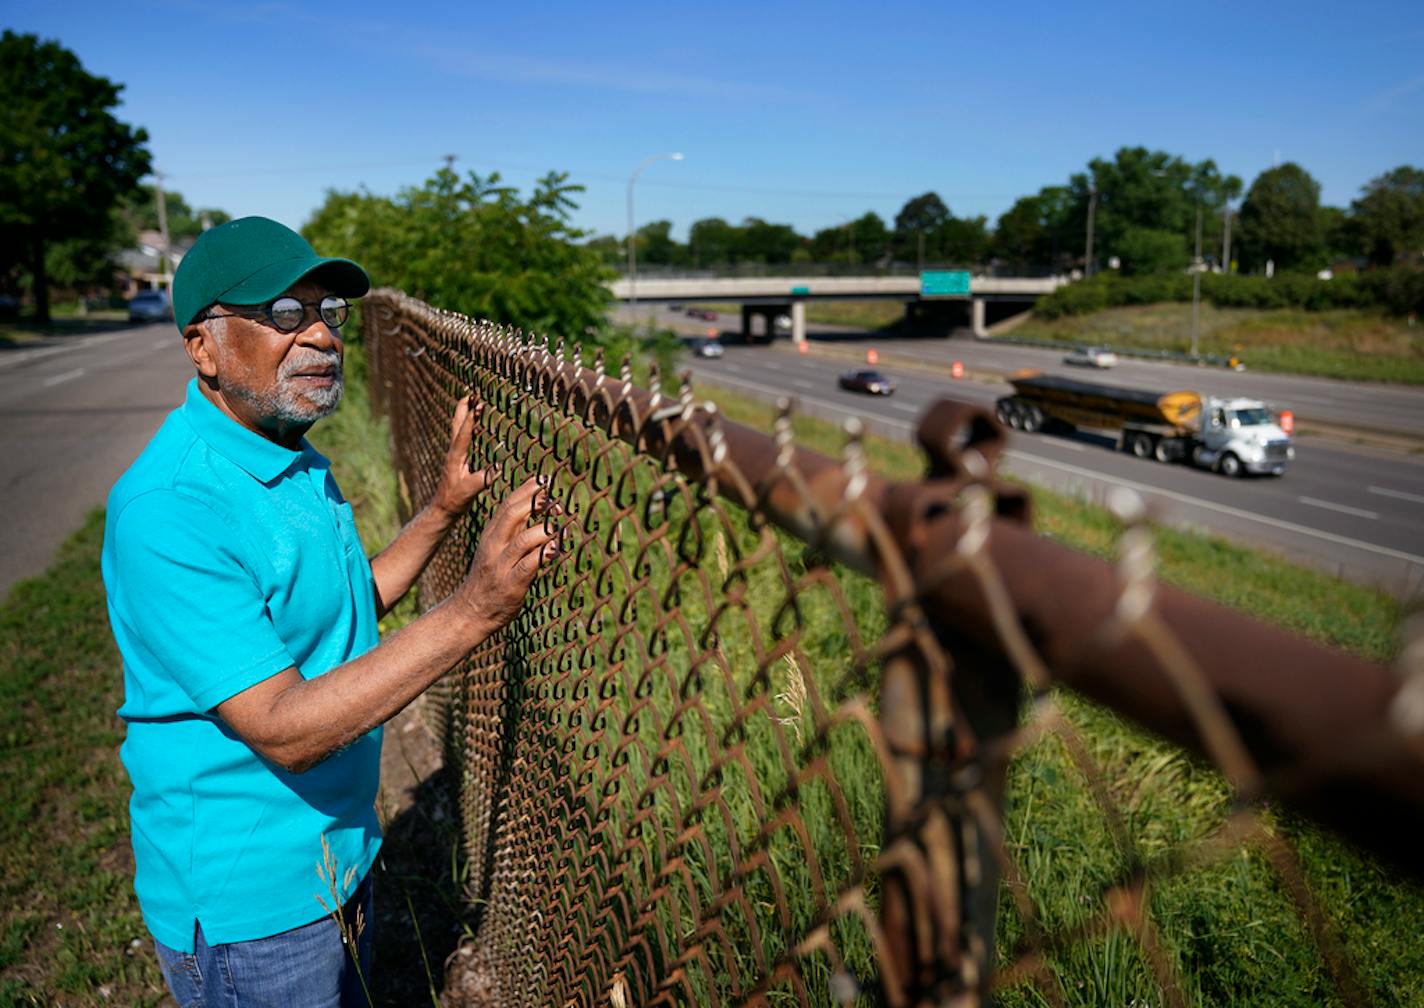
column 1309, row 427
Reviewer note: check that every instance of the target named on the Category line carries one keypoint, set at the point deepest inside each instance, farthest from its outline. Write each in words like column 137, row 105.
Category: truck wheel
column 1162, row 452
column 1141, row 445
column 1032, row 418
column 1229, row 465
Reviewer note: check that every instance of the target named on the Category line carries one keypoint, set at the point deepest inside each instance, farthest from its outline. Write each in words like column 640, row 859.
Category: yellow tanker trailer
column 1232, row 436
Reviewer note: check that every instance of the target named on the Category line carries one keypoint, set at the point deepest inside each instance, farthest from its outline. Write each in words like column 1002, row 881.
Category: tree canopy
column 65, row 161
column 474, row 246
column 1281, row 219
column 1390, row 216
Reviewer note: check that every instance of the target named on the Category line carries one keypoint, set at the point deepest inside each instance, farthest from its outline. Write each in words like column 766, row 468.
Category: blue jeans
column 307, row 967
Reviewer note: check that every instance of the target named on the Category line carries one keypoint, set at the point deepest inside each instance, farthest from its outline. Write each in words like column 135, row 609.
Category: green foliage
column 473, row 246
column 1154, row 191
column 1146, row 251
column 140, row 212
column 1399, row 290
column 1281, row 220
column 65, row 160
column 1390, row 216
column 1038, row 230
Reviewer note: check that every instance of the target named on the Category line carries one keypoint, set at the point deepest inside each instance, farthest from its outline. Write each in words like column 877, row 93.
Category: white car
column 706, row 348
column 1092, row 357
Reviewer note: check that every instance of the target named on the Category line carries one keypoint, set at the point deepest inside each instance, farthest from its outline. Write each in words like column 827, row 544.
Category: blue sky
column 801, row 113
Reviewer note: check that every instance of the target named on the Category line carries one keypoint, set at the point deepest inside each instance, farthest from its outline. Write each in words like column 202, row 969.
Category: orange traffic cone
column 871, row 357
column 802, row 347
column 1287, row 421
column 956, row 370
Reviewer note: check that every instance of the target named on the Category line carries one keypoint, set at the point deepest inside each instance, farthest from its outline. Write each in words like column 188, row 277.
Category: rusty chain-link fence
column 749, row 740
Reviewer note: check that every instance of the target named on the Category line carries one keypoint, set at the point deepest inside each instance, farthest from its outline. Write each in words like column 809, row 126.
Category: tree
column 712, row 242
column 764, row 242
column 1280, row 219
column 1390, row 216
column 1035, row 231
column 1150, row 190
column 919, row 227
column 473, row 246
column 1149, row 250
column 655, row 244
column 65, row 161
column 141, row 211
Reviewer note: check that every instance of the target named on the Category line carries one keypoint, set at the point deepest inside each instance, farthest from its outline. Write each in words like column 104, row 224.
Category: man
column 245, row 611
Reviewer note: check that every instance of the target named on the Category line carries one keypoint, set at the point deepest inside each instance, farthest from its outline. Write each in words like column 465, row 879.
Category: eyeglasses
column 286, row 314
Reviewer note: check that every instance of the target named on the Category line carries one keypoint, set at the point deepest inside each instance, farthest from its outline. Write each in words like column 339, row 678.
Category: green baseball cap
column 250, row 261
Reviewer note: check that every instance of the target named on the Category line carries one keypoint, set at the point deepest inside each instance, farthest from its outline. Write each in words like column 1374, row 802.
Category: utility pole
column 1226, row 240
column 1196, row 277
column 449, row 161
column 633, row 237
column 162, row 223
column 1092, row 211
column 922, row 251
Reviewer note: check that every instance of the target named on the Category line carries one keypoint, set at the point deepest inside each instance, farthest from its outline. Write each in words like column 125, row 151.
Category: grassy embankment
column 1343, row 343
column 71, row 931
column 65, row 320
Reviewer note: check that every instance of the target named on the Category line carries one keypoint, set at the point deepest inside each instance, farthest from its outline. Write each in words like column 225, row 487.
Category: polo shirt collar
column 262, row 459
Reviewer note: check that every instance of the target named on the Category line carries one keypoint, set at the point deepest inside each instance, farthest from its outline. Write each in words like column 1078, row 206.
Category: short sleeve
column 191, row 601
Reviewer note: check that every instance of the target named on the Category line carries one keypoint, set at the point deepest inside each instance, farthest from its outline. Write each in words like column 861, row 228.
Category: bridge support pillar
column 976, row 316
column 798, row 322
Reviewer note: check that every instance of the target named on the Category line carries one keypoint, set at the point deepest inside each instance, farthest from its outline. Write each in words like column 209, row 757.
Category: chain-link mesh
column 747, row 742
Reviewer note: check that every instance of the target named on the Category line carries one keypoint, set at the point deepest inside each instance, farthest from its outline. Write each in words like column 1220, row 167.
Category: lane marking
column 802, row 383
column 1142, row 488
column 1396, row 494
column 56, row 379
column 162, row 344
column 1222, row 508
column 1342, row 508
column 905, row 407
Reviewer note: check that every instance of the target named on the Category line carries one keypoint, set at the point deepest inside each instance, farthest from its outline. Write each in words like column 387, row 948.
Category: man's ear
column 201, row 346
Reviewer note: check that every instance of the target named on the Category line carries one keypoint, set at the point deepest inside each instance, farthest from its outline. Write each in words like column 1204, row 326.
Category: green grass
column 1358, row 345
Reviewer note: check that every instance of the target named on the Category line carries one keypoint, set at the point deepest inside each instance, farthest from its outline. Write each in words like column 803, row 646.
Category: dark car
column 706, row 348
column 702, row 313
column 150, row 306
column 867, row 381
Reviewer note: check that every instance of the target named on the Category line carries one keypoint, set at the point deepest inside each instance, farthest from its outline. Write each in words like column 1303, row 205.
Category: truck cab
column 1239, row 436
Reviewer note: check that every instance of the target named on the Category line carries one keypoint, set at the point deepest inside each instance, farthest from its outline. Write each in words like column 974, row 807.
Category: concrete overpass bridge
column 976, row 299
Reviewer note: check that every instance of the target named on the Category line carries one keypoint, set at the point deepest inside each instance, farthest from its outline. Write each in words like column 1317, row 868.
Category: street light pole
column 632, row 238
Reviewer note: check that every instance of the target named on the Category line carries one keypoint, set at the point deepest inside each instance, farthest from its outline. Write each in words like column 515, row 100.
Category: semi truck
column 1231, row 436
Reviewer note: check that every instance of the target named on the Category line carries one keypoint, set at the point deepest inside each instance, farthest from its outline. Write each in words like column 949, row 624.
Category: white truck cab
column 1238, row 435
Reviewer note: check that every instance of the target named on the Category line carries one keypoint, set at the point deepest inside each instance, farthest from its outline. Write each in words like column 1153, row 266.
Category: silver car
column 1092, row 357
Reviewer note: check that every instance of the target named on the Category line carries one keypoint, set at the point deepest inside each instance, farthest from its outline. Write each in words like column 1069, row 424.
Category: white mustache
column 316, row 358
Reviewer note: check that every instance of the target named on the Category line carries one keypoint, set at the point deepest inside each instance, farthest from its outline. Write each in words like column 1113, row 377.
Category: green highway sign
column 800, row 290
column 942, row 283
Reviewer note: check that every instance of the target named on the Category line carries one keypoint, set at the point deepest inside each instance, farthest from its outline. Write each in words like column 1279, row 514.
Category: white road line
column 1342, row 508
column 904, row 407
column 1142, row 488
column 1072, row 446
column 56, row 379
column 802, row 383
column 163, row 344
column 1396, row 494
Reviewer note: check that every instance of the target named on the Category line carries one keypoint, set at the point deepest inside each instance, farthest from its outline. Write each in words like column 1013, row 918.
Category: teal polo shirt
column 227, row 559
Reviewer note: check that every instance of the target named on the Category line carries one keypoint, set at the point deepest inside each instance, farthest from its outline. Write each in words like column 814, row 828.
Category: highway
column 74, row 412
column 1351, row 510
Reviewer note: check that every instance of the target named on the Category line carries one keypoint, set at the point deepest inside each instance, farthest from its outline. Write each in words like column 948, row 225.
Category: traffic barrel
column 802, row 347
column 711, row 333
column 871, row 357
column 1287, row 421
column 956, row 370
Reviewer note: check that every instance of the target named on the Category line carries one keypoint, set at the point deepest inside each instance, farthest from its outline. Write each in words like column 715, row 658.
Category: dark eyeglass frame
column 332, row 309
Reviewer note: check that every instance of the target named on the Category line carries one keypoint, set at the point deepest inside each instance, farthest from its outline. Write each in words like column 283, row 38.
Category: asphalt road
column 74, row 412
column 77, row 411
column 1354, row 511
